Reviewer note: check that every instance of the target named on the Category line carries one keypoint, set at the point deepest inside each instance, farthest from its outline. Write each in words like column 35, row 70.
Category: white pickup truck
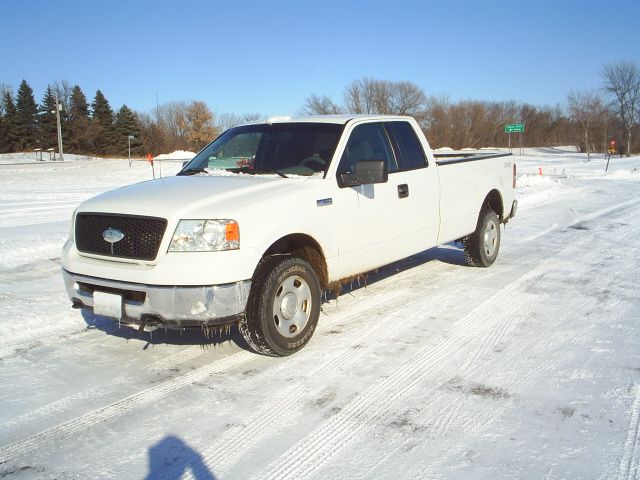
column 270, row 214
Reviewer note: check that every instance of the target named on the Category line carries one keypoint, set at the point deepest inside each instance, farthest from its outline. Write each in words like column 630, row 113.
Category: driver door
column 374, row 220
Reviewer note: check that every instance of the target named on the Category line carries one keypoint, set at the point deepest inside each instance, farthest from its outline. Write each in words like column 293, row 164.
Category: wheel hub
column 490, row 238
column 289, row 306
column 292, row 306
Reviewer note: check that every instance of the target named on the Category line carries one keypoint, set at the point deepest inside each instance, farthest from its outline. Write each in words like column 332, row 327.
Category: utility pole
column 58, row 108
column 129, row 138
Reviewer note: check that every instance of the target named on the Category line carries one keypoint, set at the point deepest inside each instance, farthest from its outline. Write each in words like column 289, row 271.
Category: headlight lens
column 205, row 236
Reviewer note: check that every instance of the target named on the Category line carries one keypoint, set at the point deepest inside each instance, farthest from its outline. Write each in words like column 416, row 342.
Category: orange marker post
column 150, row 160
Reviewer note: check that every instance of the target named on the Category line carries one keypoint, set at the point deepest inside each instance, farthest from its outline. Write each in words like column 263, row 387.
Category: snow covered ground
column 528, row 369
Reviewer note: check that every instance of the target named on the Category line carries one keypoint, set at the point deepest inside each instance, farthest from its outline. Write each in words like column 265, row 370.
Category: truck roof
column 338, row 119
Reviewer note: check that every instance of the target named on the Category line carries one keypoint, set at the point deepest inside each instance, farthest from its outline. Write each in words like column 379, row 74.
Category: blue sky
column 268, row 56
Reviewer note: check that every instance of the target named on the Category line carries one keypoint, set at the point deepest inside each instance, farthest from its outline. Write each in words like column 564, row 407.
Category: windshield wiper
column 268, row 170
column 251, row 170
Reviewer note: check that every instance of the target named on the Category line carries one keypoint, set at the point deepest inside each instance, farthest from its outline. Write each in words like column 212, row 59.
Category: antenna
column 158, row 120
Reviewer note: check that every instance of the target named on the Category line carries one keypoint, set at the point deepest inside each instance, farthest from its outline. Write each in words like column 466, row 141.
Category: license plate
column 107, row 304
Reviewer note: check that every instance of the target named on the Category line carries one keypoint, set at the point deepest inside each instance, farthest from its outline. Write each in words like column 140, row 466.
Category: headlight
column 205, row 236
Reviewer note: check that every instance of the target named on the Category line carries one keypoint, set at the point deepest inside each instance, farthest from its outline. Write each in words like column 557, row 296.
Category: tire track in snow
column 238, row 440
column 120, row 407
column 329, row 438
column 630, row 461
column 449, row 415
column 612, row 209
column 93, row 393
column 148, row 395
column 472, row 423
column 9, row 351
column 495, row 335
column 285, row 467
column 446, row 413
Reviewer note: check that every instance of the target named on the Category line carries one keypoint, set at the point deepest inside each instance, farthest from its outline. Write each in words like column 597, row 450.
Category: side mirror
column 366, row 172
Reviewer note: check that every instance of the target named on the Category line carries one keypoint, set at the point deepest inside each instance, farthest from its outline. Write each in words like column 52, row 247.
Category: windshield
column 283, row 149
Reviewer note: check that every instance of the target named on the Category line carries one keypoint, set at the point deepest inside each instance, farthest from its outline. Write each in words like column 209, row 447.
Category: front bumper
column 165, row 306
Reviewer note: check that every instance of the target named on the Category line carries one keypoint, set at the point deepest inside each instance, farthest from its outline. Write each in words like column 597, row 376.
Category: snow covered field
column 528, row 369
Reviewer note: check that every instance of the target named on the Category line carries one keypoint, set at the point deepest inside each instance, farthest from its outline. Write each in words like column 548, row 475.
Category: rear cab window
column 409, row 151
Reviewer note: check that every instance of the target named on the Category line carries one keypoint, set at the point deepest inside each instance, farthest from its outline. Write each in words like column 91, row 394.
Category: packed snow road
column 528, row 369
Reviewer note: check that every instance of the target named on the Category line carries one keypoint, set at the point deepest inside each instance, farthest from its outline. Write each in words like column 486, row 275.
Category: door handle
column 403, row 190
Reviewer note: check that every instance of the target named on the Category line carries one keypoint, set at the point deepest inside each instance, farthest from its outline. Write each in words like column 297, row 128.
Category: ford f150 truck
column 269, row 215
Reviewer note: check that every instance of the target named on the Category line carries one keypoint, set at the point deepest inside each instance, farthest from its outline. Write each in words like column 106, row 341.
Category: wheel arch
column 303, row 246
column 494, row 201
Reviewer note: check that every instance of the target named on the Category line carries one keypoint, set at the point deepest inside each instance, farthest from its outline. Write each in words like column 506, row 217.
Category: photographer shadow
column 171, row 458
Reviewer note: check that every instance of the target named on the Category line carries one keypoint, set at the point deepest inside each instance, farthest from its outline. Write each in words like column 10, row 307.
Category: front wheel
column 482, row 246
column 283, row 306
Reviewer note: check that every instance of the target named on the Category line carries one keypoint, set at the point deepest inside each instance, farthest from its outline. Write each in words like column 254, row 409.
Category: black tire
column 482, row 246
column 283, row 306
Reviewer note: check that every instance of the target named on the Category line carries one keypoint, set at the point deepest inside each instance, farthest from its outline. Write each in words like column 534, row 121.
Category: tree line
column 590, row 119
column 95, row 129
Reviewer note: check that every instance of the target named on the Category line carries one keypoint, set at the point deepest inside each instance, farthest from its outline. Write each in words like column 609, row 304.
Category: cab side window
column 367, row 142
column 408, row 147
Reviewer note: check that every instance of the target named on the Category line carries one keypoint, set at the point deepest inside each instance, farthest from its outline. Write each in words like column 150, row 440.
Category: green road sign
column 514, row 128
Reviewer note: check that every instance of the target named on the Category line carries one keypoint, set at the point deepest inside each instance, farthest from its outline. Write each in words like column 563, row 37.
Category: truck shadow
column 187, row 336
column 449, row 253
column 195, row 336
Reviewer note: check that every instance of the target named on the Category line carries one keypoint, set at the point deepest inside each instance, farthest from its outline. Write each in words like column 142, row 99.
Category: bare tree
column 408, row 99
column 355, row 97
column 229, row 120
column 622, row 81
column 370, row 96
column 588, row 110
column 63, row 89
column 171, row 119
column 319, row 105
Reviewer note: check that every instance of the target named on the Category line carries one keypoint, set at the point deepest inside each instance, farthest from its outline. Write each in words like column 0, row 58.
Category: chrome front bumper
column 165, row 306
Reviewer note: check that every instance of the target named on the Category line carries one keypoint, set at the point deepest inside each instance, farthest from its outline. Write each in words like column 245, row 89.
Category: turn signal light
column 232, row 232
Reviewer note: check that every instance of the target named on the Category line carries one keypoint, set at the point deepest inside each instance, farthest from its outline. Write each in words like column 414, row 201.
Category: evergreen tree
column 25, row 125
column 47, row 123
column 79, row 140
column 102, row 125
column 127, row 124
column 7, row 121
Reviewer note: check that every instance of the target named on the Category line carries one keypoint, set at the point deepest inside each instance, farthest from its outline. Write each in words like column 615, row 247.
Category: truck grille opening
column 141, row 240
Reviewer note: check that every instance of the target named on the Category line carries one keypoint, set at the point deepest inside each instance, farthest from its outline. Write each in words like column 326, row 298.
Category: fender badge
column 324, row 202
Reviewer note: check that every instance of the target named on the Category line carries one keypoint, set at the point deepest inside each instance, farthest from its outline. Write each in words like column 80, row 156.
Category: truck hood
column 182, row 196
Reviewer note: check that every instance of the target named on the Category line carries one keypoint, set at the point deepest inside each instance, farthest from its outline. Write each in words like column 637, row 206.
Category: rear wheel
column 283, row 306
column 482, row 246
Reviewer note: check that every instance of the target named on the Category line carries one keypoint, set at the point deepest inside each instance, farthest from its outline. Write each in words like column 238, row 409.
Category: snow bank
column 177, row 155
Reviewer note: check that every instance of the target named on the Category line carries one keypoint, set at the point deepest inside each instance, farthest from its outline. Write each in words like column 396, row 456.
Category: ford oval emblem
column 112, row 235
